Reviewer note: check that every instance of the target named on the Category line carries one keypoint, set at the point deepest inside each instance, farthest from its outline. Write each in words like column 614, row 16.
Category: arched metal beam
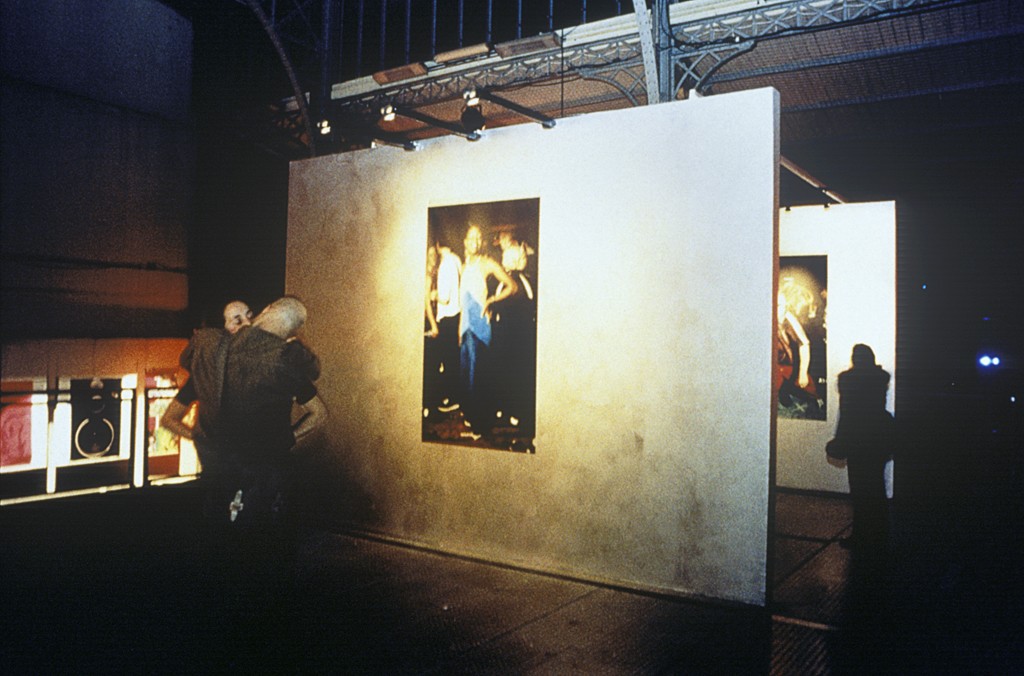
column 300, row 96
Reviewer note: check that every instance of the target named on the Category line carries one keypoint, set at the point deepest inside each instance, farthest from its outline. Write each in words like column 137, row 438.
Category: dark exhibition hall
column 512, row 336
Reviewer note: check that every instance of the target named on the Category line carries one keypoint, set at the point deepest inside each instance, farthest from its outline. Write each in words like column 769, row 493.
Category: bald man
column 247, row 384
column 236, row 315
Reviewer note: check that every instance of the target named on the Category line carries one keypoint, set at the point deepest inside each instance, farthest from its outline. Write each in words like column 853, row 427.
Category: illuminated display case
column 85, row 434
column 24, row 427
column 91, row 438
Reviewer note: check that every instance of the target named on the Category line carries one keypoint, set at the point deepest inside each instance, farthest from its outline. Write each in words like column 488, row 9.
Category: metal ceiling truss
column 297, row 23
column 967, row 39
column 697, row 49
column 271, row 25
column 702, row 47
column 587, row 61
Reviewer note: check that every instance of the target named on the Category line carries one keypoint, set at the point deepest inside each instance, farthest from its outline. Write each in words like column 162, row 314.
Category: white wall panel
column 860, row 243
column 657, row 248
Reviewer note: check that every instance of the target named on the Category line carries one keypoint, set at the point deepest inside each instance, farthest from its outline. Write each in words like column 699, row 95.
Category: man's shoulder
column 208, row 336
column 298, row 356
column 254, row 346
column 255, row 338
column 873, row 375
column 202, row 344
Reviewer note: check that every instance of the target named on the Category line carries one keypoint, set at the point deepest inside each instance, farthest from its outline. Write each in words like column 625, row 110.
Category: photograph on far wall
column 801, row 373
column 480, row 325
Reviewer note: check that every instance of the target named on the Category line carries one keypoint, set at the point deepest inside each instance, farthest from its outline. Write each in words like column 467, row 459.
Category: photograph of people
column 800, row 376
column 479, row 348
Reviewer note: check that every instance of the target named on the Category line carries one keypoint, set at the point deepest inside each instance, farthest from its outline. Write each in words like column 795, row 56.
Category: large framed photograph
column 801, row 372
column 480, row 325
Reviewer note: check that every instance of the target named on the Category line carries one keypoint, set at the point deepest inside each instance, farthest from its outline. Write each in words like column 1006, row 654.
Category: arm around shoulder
column 173, row 419
column 313, row 418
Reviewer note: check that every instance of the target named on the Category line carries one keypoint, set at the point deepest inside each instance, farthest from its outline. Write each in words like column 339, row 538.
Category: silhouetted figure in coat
column 865, row 428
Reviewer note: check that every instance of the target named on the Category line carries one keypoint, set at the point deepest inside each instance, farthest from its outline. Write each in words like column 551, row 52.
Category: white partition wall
column 858, row 245
column 657, row 246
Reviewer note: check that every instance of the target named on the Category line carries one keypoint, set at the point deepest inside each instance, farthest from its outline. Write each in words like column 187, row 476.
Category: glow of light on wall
column 125, row 449
column 40, row 425
column 188, row 460
column 59, row 447
column 138, row 464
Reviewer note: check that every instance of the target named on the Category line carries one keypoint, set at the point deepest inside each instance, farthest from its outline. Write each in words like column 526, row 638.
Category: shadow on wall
column 327, row 495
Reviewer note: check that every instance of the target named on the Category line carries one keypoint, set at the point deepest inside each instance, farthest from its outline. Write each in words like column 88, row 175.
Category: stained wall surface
column 654, row 344
column 859, row 241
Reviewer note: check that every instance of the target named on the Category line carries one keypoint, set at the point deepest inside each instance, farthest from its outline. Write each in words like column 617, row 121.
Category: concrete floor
column 122, row 583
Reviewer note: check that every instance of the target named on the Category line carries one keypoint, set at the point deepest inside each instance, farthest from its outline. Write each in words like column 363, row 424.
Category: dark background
column 958, row 187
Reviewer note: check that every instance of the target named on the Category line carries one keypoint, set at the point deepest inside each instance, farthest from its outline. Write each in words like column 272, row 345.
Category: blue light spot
column 995, row 361
column 985, row 360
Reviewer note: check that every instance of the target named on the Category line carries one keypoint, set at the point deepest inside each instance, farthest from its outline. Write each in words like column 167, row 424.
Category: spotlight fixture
column 472, row 116
column 472, row 119
column 474, row 96
column 324, row 126
column 390, row 111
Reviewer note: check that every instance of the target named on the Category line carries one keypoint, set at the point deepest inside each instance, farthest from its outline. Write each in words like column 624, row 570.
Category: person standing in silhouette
column 866, row 431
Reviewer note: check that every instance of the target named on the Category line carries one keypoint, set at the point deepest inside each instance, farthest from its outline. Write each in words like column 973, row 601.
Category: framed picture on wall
column 801, row 372
column 480, row 324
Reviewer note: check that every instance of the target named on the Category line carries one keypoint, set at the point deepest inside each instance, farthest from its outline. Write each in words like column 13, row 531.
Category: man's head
column 284, row 317
column 862, row 356
column 236, row 315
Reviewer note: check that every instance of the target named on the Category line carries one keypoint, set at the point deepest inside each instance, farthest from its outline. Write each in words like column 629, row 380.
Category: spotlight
column 987, row 360
column 388, row 113
column 472, row 119
column 471, row 98
column 324, row 126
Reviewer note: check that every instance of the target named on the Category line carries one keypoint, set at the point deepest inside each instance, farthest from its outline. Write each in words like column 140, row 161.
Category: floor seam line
column 807, row 624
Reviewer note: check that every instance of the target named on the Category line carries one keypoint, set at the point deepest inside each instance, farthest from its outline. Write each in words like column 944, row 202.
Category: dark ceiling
column 918, row 101
column 900, row 97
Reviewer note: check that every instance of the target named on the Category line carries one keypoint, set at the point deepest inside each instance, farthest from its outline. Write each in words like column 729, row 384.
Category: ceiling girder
column 868, row 55
column 699, row 48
